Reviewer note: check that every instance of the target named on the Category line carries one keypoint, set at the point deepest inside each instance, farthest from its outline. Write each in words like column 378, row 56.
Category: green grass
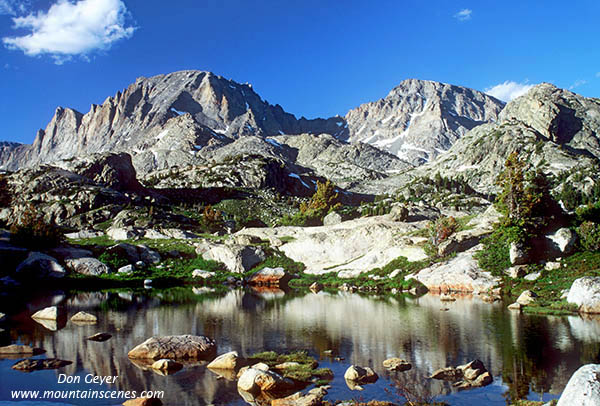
column 495, row 257
column 332, row 280
column 277, row 260
column 306, row 371
column 552, row 283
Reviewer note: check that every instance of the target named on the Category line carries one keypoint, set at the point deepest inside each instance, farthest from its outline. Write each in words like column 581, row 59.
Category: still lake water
column 531, row 356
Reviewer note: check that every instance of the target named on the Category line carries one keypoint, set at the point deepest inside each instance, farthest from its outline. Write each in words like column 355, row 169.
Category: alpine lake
column 529, row 356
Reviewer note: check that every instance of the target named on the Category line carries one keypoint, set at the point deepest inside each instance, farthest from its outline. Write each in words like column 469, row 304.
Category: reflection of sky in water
column 526, row 354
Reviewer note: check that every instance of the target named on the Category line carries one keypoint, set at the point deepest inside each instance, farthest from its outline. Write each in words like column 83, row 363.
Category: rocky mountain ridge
column 551, row 129
column 420, row 119
column 184, row 118
column 162, row 119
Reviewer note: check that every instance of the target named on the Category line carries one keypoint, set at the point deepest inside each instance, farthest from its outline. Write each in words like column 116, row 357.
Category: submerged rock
column 99, row 337
column 471, row 375
column 84, row 317
column 48, row 313
column 174, row 347
column 24, row 350
column 29, row 365
column 397, row 364
column 312, row 398
column 167, row 365
column 359, row 374
column 256, row 380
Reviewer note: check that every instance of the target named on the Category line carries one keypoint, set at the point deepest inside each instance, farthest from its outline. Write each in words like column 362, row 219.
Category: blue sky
column 315, row 58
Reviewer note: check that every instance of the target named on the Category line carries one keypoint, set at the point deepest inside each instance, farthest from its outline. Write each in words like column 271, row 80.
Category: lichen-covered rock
column 316, row 287
column 518, row 254
column 583, row 389
column 174, row 347
column 134, row 253
column 87, row 266
column 585, row 293
column 199, row 273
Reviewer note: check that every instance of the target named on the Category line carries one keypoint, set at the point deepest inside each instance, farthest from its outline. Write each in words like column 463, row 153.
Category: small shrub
column 495, row 255
column 112, row 260
column 212, row 219
column 589, row 236
column 438, row 232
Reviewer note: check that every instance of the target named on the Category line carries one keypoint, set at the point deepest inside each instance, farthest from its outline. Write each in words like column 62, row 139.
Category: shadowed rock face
column 419, row 119
column 414, row 329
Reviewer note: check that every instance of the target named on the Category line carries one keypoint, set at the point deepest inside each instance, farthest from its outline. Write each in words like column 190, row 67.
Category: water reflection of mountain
column 525, row 350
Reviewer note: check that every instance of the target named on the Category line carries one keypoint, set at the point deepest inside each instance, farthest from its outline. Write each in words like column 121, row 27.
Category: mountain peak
column 419, row 119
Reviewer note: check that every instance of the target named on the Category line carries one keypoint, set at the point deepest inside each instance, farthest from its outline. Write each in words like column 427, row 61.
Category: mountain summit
column 419, row 119
column 163, row 116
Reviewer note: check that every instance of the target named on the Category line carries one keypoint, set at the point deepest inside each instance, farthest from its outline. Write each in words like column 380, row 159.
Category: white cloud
column 69, row 29
column 7, row 7
column 464, row 14
column 577, row 83
column 508, row 90
column 14, row 7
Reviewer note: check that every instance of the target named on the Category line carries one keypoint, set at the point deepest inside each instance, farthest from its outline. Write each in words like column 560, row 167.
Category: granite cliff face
column 163, row 120
column 420, row 119
column 190, row 119
column 552, row 129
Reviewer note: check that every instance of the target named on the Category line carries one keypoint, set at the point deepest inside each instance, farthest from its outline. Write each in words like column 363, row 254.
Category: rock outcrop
column 458, row 274
column 174, row 347
column 585, row 293
column 583, row 389
column 552, row 129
